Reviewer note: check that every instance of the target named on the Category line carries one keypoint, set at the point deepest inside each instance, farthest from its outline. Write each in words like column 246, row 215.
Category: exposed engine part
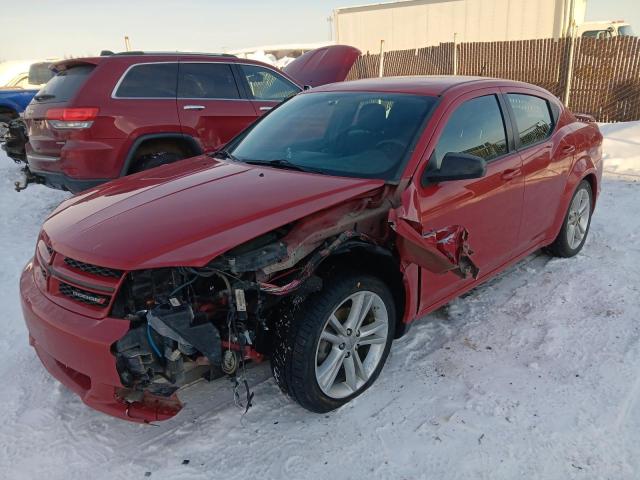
column 230, row 362
column 190, row 321
column 177, row 323
column 314, row 261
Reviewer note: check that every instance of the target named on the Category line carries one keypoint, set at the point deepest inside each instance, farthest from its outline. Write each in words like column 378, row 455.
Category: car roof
column 431, row 85
column 142, row 57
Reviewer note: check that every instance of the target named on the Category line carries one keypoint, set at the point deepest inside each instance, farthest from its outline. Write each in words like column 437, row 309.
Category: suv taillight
column 71, row 118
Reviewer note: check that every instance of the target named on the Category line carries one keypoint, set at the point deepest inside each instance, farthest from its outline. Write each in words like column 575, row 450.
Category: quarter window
column 533, row 118
column 265, row 84
column 475, row 128
column 207, row 80
column 151, row 80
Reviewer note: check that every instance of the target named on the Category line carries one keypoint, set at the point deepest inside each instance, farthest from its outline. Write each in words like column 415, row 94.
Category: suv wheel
column 576, row 223
column 153, row 160
column 337, row 343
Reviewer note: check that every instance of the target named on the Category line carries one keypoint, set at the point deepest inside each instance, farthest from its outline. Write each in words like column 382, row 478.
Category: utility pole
column 381, row 70
column 127, row 44
column 455, row 54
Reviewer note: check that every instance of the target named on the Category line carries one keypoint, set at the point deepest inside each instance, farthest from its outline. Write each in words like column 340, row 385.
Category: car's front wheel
column 337, row 343
column 576, row 223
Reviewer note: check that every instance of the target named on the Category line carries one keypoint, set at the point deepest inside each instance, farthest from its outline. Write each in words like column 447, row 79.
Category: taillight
column 71, row 118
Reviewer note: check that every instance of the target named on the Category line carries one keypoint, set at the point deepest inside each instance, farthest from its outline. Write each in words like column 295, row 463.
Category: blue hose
column 154, row 347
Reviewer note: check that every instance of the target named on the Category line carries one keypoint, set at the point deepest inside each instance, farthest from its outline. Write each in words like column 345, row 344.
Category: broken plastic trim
column 439, row 251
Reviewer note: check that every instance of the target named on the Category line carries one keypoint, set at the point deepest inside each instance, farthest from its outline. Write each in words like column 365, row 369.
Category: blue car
column 20, row 88
column 13, row 102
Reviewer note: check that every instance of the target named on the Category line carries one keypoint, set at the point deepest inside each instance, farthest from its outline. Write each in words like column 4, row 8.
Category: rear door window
column 64, row 85
column 265, row 84
column 149, row 80
column 207, row 80
column 533, row 118
column 475, row 128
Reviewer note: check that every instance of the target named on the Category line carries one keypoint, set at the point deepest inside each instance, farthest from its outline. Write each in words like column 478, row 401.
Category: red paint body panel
column 187, row 213
column 194, row 211
column 102, row 151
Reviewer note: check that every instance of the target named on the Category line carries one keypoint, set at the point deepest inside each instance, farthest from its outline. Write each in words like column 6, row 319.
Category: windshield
column 352, row 134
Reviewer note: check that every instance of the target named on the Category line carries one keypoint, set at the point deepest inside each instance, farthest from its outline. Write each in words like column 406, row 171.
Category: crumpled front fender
column 440, row 251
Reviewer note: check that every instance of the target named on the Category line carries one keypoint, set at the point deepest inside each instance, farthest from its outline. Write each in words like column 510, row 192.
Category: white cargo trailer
column 421, row 23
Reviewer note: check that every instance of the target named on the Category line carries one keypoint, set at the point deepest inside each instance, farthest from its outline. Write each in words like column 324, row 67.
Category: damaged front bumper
column 76, row 350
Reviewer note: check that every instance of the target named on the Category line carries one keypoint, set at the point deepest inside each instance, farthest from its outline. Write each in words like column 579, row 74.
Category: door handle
column 265, row 109
column 510, row 174
column 569, row 149
column 193, row 107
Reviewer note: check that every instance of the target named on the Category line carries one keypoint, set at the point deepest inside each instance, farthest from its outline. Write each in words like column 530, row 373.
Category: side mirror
column 456, row 166
column 306, row 87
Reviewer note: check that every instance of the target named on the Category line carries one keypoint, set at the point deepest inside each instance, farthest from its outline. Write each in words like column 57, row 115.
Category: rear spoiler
column 74, row 62
column 585, row 117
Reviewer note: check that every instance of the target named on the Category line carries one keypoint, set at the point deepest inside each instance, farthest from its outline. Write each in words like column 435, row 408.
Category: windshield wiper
column 225, row 154
column 44, row 96
column 283, row 164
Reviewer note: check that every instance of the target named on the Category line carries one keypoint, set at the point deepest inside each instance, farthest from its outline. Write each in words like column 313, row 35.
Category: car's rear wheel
column 577, row 221
column 337, row 343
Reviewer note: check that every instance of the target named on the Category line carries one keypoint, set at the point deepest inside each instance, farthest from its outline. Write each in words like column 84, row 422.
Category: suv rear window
column 64, row 85
column 149, row 80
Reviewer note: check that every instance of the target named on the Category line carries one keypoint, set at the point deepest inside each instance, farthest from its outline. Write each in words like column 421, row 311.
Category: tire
column 153, row 160
column 575, row 227
column 301, row 358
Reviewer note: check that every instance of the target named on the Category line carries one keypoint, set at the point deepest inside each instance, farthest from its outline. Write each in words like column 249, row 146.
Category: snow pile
column 534, row 375
column 621, row 149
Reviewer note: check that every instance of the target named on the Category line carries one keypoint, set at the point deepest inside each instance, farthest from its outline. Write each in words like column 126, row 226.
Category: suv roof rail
column 141, row 52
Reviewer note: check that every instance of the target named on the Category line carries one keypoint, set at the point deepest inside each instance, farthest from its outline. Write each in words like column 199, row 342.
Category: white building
column 420, row 23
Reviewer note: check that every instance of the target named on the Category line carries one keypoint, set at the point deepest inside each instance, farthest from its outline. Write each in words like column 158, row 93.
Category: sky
column 35, row 29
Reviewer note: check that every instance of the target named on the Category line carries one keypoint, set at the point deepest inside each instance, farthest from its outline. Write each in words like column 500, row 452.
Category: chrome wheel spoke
column 360, row 371
column 360, row 307
column 571, row 235
column 351, row 378
column 372, row 340
column 331, row 338
column 372, row 329
column 337, row 326
column 328, row 371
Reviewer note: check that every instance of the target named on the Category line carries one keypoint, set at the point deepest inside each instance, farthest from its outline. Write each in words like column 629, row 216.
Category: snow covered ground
column 535, row 375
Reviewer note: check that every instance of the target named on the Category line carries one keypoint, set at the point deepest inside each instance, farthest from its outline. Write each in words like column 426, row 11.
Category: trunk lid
column 323, row 65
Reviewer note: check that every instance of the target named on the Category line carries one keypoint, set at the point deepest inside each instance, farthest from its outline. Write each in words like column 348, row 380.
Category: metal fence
column 598, row 77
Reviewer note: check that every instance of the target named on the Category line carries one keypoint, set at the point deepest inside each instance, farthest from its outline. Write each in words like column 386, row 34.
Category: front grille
column 84, row 296
column 93, row 269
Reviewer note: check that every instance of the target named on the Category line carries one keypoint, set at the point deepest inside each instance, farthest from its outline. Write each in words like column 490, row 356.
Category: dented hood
column 187, row 213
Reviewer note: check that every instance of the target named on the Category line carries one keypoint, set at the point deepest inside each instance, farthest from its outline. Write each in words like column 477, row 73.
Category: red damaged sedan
column 313, row 239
